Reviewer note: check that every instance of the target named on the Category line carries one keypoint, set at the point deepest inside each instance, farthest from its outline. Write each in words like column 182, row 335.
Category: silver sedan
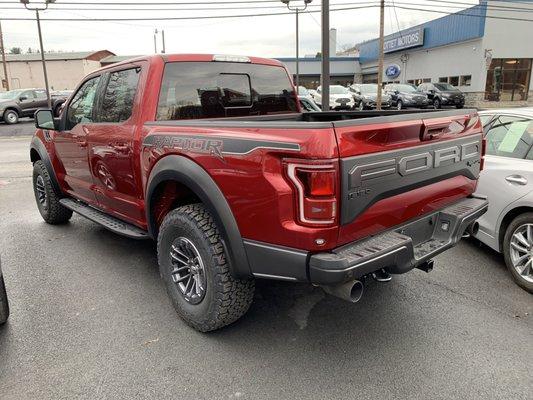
column 507, row 180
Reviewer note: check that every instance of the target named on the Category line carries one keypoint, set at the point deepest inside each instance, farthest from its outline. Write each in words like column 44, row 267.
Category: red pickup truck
column 211, row 156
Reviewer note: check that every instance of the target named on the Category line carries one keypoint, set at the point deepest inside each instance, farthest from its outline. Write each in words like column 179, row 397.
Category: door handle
column 518, row 179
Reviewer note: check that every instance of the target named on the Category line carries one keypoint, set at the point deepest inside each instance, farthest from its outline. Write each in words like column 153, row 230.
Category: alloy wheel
column 521, row 251
column 11, row 117
column 41, row 190
column 188, row 270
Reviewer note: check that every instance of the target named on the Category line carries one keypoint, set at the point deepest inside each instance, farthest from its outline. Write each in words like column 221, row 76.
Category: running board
column 113, row 224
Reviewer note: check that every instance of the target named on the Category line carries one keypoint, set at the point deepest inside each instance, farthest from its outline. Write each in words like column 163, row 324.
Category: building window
column 466, row 80
column 443, row 79
column 454, row 81
column 411, row 81
column 508, row 79
column 426, row 80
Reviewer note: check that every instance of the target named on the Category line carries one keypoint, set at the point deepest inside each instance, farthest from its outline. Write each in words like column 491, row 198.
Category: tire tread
column 232, row 296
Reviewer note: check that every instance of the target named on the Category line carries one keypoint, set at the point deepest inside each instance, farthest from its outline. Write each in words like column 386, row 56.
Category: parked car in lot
column 304, row 93
column 15, row 104
column 312, row 93
column 4, row 305
column 507, row 180
column 308, row 104
column 442, row 94
column 210, row 156
column 405, row 95
column 339, row 98
column 365, row 96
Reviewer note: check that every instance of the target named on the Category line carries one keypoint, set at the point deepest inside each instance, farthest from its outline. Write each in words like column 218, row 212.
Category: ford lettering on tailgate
column 370, row 178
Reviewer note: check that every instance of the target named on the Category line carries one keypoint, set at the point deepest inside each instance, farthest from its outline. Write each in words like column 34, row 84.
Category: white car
column 339, row 98
column 507, row 181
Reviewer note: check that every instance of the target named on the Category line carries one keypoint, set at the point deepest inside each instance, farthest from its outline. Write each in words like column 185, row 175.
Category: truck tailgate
column 396, row 168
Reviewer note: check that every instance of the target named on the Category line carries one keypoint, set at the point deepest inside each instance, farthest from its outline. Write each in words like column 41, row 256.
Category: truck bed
column 325, row 119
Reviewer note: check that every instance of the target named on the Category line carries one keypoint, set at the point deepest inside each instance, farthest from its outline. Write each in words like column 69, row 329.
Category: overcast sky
column 271, row 36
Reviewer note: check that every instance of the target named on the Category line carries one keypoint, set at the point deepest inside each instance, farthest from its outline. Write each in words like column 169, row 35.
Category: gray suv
column 19, row 103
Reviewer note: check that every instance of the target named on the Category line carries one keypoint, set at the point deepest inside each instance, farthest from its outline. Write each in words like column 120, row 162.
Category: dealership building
column 484, row 50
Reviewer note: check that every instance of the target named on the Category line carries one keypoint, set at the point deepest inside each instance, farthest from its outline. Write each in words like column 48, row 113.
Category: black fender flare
column 38, row 146
column 187, row 172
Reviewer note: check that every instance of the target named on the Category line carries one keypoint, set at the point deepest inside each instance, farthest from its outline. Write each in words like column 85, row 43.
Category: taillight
column 315, row 185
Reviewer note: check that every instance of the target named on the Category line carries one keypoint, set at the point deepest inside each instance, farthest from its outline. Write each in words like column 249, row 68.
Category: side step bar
column 113, row 224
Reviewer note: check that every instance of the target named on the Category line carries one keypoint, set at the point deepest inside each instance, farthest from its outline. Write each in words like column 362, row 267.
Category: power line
column 450, row 4
column 169, row 18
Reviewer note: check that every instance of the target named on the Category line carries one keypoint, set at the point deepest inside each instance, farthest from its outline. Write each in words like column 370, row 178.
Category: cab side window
column 40, row 94
column 117, row 102
column 81, row 108
column 26, row 96
column 510, row 137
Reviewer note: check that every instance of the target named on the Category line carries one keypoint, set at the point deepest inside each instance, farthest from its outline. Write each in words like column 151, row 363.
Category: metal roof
column 450, row 29
column 76, row 55
column 115, row 59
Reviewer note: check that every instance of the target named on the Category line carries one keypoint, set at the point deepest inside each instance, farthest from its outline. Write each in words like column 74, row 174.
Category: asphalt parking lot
column 91, row 319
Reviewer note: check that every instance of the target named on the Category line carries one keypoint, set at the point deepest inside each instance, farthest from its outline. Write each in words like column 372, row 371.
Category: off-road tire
column 11, row 117
column 437, row 104
column 4, row 305
column 226, row 298
column 53, row 212
column 515, row 223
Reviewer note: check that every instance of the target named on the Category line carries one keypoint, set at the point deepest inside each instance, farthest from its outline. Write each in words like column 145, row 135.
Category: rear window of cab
column 192, row 90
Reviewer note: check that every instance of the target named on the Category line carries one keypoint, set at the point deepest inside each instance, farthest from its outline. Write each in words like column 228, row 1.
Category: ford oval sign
column 393, row 71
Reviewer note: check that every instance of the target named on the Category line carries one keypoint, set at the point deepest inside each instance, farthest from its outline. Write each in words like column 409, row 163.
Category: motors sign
column 404, row 40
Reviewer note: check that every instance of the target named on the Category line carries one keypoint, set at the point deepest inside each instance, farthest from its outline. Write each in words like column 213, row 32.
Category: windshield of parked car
column 192, row 90
column 445, row 86
column 369, row 88
column 405, row 88
column 302, row 91
column 337, row 89
column 12, row 94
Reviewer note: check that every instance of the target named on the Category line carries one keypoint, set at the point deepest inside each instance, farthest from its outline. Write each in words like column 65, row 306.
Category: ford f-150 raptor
column 210, row 156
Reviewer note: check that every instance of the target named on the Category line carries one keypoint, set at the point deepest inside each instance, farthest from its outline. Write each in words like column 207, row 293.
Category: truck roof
column 196, row 58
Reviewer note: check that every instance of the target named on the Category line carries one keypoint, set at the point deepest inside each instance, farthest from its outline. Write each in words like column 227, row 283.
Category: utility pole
column 380, row 59
column 325, row 55
column 3, row 50
column 37, row 9
column 297, row 8
column 155, row 41
column 163, row 38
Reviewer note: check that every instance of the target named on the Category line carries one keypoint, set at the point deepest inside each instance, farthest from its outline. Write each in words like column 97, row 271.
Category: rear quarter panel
column 253, row 181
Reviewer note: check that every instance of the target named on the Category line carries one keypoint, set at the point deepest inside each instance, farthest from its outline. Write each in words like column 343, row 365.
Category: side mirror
column 22, row 98
column 44, row 119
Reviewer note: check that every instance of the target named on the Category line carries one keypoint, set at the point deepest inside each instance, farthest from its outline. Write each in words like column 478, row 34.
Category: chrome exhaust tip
column 350, row 291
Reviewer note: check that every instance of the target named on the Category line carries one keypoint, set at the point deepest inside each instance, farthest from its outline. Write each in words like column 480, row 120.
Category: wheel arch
column 38, row 152
column 507, row 219
column 12, row 108
column 189, row 175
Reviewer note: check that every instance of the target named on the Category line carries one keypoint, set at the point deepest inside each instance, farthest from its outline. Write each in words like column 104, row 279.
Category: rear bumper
column 398, row 250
